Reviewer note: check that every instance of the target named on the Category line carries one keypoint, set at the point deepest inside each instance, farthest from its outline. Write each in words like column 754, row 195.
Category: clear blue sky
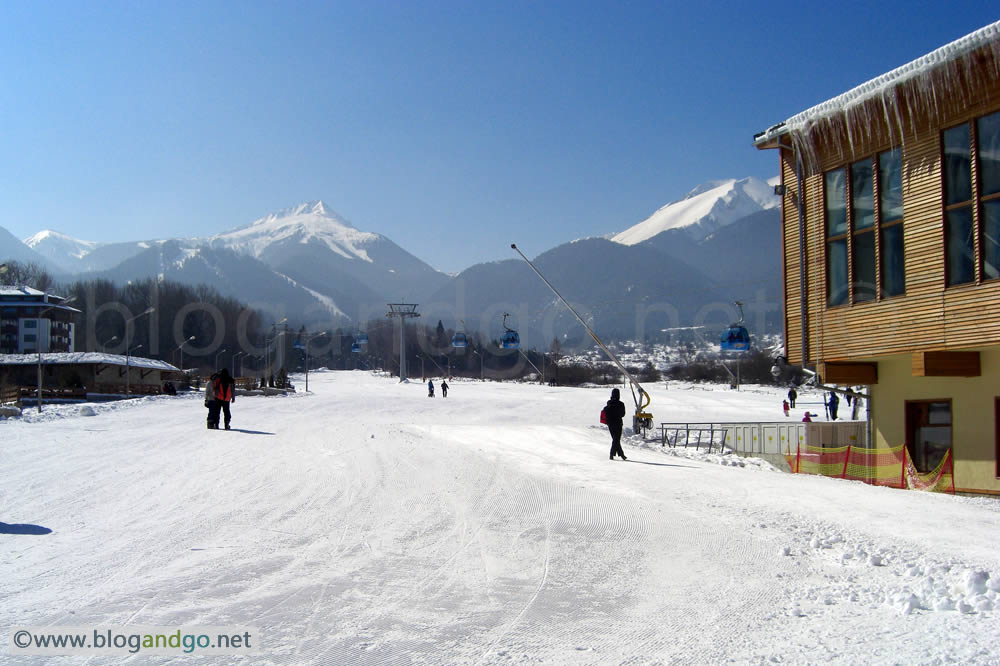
column 454, row 128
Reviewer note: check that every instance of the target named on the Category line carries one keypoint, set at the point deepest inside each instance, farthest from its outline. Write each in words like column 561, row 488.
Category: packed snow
column 363, row 522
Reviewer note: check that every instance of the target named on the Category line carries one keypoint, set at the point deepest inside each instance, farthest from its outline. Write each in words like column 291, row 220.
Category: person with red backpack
column 614, row 414
column 219, row 393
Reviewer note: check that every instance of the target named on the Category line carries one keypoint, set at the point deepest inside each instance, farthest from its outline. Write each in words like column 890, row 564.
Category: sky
column 453, row 128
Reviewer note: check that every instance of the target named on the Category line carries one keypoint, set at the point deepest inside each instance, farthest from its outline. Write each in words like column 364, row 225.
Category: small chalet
column 88, row 375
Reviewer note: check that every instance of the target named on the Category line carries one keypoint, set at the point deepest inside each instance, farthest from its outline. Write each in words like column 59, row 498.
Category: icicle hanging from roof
column 929, row 87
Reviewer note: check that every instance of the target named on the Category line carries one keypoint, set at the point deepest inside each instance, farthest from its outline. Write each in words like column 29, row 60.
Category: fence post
column 798, row 456
column 951, row 464
column 847, row 459
column 902, row 472
column 711, row 437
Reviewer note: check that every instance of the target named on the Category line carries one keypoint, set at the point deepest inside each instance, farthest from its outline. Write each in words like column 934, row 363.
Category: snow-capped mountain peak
column 54, row 245
column 705, row 209
column 306, row 222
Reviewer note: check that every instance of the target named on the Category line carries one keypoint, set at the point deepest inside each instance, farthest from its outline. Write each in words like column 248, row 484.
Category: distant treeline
column 204, row 330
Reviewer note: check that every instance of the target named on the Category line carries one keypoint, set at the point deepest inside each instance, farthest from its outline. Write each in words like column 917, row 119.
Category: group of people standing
column 220, row 393
column 832, row 404
column 430, row 389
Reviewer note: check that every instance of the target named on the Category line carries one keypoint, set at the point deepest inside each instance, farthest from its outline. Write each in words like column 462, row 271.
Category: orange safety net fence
column 890, row 467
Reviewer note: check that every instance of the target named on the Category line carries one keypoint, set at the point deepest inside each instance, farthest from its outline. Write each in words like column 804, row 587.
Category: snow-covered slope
column 363, row 523
column 706, row 209
column 303, row 223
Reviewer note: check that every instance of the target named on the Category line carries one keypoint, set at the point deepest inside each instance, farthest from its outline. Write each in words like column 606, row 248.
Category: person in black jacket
column 614, row 412
column 219, row 393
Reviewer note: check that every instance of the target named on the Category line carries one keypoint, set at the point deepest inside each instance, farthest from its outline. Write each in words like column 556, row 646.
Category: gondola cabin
column 356, row 347
column 459, row 340
column 362, row 339
column 735, row 339
column 510, row 340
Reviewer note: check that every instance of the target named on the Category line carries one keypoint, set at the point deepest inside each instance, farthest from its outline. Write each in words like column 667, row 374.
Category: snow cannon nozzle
column 513, row 246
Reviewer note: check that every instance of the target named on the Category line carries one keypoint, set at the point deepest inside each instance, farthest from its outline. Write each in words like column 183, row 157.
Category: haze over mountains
column 683, row 265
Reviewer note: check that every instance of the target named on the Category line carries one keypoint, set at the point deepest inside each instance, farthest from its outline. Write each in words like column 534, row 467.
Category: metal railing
column 744, row 438
column 699, row 435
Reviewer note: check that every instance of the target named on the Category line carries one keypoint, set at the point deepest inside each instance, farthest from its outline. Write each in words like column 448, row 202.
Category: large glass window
column 959, row 241
column 863, row 223
column 861, row 236
column 988, row 141
column 928, row 429
column 836, row 237
column 890, row 197
column 991, row 239
column 972, row 200
column 959, row 246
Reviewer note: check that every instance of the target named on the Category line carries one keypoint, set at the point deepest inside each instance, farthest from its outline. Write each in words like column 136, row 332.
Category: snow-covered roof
column 8, row 290
column 883, row 87
column 80, row 358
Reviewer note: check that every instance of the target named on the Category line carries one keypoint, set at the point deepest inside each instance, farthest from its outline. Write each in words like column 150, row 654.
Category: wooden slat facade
column 928, row 316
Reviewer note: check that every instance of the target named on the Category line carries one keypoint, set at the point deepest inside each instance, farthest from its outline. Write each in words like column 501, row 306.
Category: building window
column 928, row 433
column 836, row 237
column 862, row 221
column 30, row 337
column 988, row 137
column 972, row 200
column 890, row 197
column 31, row 323
column 867, row 229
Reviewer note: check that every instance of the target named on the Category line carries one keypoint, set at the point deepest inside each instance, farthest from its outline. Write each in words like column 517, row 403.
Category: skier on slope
column 430, row 388
column 614, row 412
column 444, row 389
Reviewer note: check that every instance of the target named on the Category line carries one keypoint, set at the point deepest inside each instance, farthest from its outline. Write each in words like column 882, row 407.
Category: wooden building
column 86, row 375
column 891, row 251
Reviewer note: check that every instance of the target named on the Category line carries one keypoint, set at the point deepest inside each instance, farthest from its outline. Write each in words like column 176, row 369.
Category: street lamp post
column 180, row 348
column 221, row 351
column 235, row 358
column 39, row 341
column 128, row 387
column 267, row 344
column 481, row 376
column 128, row 375
column 308, row 340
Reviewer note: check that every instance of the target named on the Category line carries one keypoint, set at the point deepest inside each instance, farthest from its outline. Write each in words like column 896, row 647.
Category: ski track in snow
column 366, row 524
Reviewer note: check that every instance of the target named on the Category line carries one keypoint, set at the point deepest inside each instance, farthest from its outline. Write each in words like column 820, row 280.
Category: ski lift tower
column 403, row 311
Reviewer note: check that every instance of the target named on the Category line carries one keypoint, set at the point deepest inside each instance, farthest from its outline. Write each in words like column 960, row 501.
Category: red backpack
column 604, row 417
column 221, row 390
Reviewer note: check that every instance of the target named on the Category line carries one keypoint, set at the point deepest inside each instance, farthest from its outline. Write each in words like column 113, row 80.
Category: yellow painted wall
column 972, row 405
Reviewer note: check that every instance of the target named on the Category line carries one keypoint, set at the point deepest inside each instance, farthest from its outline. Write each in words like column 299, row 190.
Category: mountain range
column 685, row 264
